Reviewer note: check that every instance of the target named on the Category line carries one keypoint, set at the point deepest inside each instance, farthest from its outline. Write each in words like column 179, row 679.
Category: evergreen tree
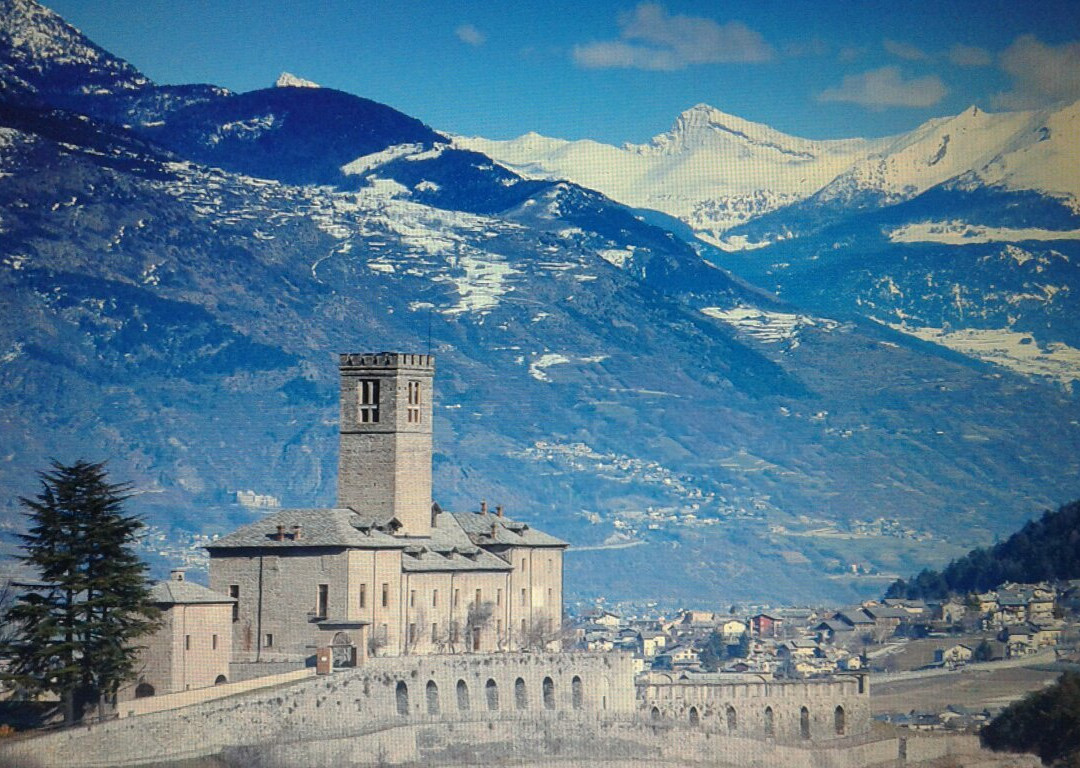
column 75, row 629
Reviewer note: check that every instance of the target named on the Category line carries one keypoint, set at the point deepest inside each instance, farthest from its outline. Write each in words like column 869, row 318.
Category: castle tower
column 384, row 459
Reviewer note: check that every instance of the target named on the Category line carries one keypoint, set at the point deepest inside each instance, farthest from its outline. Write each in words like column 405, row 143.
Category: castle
column 385, row 572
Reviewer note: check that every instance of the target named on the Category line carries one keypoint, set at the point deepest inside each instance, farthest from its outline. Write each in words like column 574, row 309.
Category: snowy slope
column 716, row 171
column 712, row 170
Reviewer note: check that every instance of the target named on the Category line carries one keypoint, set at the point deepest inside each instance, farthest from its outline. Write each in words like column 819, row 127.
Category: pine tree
column 75, row 630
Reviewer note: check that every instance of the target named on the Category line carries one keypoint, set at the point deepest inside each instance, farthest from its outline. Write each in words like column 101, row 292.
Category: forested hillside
column 1047, row 548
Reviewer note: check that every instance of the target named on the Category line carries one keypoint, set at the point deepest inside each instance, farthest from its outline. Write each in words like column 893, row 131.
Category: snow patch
column 767, row 326
column 956, row 232
column 538, row 367
column 366, row 163
column 1016, row 351
column 289, row 80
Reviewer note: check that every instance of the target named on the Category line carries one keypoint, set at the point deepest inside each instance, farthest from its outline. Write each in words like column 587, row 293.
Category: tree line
column 1046, row 549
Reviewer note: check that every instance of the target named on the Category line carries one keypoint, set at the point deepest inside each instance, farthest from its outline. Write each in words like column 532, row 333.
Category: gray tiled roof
column 449, row 549
column 480, row 528
column 174, row 592
column 318, row 528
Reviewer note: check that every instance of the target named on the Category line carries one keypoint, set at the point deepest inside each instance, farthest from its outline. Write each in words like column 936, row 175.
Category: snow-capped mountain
column 715, row 171
column 178, row 267
column 712, row 170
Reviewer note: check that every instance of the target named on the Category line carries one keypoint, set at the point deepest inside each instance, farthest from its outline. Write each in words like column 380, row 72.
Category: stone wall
column 381, row 695
column 760, row 707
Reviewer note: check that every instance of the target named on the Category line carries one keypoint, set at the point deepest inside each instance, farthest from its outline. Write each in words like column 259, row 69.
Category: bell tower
column 384, row 456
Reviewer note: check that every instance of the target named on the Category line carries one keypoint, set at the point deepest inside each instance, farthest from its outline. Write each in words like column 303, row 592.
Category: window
column 187, row 642
column 434, row 598
column 213, row 642
column 549, row 693
column 413, row 412
column 434, row 634
column 412, row 633
column 412, row 598
column 324, row 600
column 457, row 597
column 367, row 410
column 549, row 596
column 268, row 640
column 524, row 631
column 498, row 627
column 385, row 595
column 479, row 596
column 498, row 597
column 234, row 593
column 524, row 596
column 363, row 595
column 523, row 565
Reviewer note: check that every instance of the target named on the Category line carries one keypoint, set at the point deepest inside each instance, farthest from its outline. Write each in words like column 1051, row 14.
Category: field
column 991, row 687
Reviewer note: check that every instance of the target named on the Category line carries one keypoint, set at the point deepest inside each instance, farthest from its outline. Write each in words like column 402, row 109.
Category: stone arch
column 462, row 696
column 654, row 715
column 220, row 680
column 432, row 692
column 732, row 719
column 770, row 724
column 144, row 690
column 575, row 692
column 491, row 692
column 804, row 723
column 521, row 699
column 401, row 696
column 549, row 693
column 695, row 718
column 839, row 720
column 343, row 650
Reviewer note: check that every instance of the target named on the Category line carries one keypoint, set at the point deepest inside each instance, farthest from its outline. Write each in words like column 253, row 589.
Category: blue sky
column 616, row 71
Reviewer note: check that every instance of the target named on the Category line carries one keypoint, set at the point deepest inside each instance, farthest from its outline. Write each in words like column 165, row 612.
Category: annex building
column 386, row 571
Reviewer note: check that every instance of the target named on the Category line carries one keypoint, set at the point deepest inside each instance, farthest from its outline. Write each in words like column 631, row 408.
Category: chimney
column 483, row 507
column 498, row 510
column 176, row 574
column 494, row 529
column 297, row 531
column 280, row 536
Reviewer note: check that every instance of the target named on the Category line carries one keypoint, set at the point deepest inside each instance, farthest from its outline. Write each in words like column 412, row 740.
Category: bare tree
column 539, row 634
column 478, row 619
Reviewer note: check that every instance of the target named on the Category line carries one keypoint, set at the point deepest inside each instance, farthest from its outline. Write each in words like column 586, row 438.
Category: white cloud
column 886, row 87
column 970, row 56
column 905, row 50
column 1042, row 74
column 651, row 38
column 470, row 35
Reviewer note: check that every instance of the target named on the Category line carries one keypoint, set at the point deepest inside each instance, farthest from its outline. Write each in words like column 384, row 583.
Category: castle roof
column 179, row 592
column 317, row 527
column 449, row 548
column 485, row 529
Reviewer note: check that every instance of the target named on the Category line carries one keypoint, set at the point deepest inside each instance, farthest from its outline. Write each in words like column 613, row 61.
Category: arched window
column 520, row 699
column 732, row 719
column 432, row 698
column 549, row 693
column 143, row 690
column 402, row 696
column 770, row 727
column 838, row 721
column 462, row 696
column 220, row 679
column 655, row 714
column 804, row 723
column 695, row 719
column 575, row 692
column 492, row 692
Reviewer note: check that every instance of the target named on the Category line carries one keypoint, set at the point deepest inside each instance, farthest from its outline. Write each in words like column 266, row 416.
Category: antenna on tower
column 430, row 307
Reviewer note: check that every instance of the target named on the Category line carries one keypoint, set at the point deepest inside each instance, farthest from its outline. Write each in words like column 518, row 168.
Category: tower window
column 385, row 595
column 434, row 598
column 234, row 593
column 367, row 401
column 413, row 413
column 363, row 595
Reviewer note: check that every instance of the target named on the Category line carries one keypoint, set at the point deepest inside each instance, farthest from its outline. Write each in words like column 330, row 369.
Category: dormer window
column 413, row 412
column 367, row 403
